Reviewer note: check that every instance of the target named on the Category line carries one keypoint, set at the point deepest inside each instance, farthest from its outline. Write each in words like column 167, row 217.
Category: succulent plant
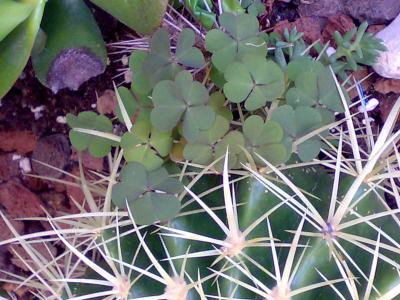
column 63, row 38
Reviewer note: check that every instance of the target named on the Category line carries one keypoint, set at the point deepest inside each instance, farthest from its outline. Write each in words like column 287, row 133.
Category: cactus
column 270, row 241
column 306, row 232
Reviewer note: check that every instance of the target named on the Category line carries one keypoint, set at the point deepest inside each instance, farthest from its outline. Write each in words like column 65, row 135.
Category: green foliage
column 241, row 37
column 146, row 145
column 265, row 139
column 357, row 46
column 74, row 50
column 212, row 144
column 96, row 145
column 354, row 49
column 261, row 104
column 143, row 16
column 217, row 102
column 159, row 64
column 186, row 54
column 314, row 86
column 182, row 100
column 16, row 46
column 254, row 7
column 70, row 32
column 296, row 123
column 288, row 47
column 199, row 9
column 150, row 195
column 13, row 13
column 254, row 81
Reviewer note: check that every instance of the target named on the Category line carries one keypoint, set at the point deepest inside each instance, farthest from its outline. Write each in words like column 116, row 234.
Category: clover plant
column 151, row 196
column 182, row 100
column 190, row 102
column 146, row 144
column 96, row 145
column 241, row 37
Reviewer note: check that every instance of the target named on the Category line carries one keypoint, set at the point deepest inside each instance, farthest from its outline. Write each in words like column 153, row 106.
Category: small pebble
column 37, row 111
column 61, row 119
column 25, row 165
column 370, row 105
column 370, row 120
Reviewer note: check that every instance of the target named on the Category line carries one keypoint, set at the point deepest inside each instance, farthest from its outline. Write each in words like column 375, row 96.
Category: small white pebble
column 330, row 51
column 16, row 157
column 37, row 111
column 61, row 119
column 370, row 105
column 25, row 165
column 370, row 119
column 125, row 60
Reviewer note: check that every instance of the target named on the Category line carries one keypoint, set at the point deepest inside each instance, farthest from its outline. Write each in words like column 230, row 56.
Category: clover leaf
column 134, row 104
column 140, row 82
column 217, row 102
column 146, row 145
column 96, row 145
column 150, row 195
column 182, row 100
column 212, row 144
column 254, row 7
column 314, row 86
column 158, row 64
column 265, row 139
column 296, row 123
column 241, row 37
column 255, row 80
column 186, row 54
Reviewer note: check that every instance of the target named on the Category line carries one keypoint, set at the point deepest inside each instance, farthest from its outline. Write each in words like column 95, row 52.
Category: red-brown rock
column 21, row 141
column 8, row 167
column 386, row 86
column 74, row 193
column 5, row 232
column 374, row 29
column 18, row 201
column 366, row 82
column 88, row 161
column 106, row 103
column 53, row 150
column 48, row 251
column 310, row 26
column 341, row 23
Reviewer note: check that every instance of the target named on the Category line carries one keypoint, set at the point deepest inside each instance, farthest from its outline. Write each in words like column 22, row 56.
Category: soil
column 30, row 113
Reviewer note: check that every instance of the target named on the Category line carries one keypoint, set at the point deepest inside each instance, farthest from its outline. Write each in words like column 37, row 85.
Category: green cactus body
column 313, row 253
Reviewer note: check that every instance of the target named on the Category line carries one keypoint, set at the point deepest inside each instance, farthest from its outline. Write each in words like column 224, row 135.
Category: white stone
column 61, row 119
column 388, row 63
column 330, row 51
column 370, row 105
column 25, row 165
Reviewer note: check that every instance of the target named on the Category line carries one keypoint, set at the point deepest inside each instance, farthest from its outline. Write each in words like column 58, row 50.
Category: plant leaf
column 12, row 13
column 97, row 146
column 19, row 41
column 265, row 139
column 240, row 39
column 186, row 54
column 150, row 195
column 146, row 145
column 182, row 100
column 143, row 16
column 255, row 81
